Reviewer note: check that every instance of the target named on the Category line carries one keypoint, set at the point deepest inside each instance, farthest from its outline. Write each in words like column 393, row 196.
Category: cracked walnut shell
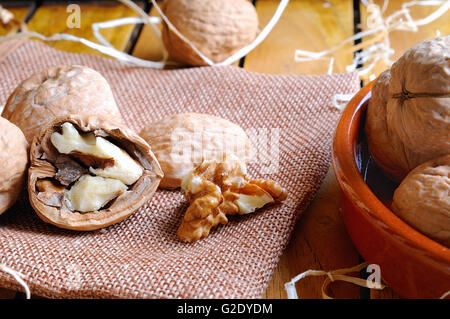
column 183, row 141
column 87, row 172
column 59, row 91
column 14, row 159
column 215, row 190
column 422, row 199
column 218, row 28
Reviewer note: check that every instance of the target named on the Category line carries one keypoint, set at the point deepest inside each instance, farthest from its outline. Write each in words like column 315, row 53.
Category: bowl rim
column 346, row 171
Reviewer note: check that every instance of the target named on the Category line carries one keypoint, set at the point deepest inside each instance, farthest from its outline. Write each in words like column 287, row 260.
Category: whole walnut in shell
column 58, row 91
column 14, row 161
column 217, row 28
column 423, row 201
column 408, row 116
column 183, row 141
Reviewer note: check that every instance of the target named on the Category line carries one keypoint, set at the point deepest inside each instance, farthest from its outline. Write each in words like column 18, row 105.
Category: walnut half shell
column 87, row 173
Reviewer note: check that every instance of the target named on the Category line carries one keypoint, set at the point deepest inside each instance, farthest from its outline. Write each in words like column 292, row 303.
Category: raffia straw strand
column 444, row 295
column 242, row 52
column 106, row 48
column 334, row 275
column 379, row 28
column 18, row 277
column 147, row 20
column 7, row 18
column 343, row 98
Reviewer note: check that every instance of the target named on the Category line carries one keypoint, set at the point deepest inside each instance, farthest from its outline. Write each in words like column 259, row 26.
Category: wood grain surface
column 319, row 240
column 19, row 13
column 50, row 19
column 401, row 40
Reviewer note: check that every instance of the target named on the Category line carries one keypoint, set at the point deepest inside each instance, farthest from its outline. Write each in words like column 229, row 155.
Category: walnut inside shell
column 423, row 199
column 87, row 172
column 59, row 91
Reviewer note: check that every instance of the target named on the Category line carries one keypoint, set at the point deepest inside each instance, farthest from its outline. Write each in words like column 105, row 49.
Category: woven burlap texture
column 142, row 257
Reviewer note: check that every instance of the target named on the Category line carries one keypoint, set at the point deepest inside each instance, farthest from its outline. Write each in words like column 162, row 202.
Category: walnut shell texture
column 43, row 157
column 184, row 141
column 423, row 201
column 217, row 28
column 407, row 118
column 58, row 91
column 419, row 108
column 14, row 159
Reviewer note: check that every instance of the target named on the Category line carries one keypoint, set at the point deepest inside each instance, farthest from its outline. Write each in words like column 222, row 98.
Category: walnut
column 14, row 162
column 407, row 118
column 217, row 28
column 88, row 173
column 58, row 91
column 423, row 201
column 215, row 190
column 183, row 141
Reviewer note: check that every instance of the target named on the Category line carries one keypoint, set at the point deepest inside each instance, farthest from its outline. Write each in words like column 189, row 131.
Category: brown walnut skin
column 422, row 199
column 43, row 155
column 217, row 28
column 204, row 136
column 14, row 162
column 59, row 91
column 385, row 146
column 407, row 117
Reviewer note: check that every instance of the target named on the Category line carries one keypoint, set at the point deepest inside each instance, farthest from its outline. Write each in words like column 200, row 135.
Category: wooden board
column 149, row 46
column 319, row 240
column 402, row 40
column 50, row 19
column 306, row 25
column 19, row 13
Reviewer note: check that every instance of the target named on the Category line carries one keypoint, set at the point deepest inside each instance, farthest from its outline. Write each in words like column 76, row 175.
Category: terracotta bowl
column 412, row 264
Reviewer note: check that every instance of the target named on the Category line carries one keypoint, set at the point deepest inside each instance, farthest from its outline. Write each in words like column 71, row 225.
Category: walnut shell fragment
column 183, row 141
column 422, row 199
column 59, row 91
column 215, row 190
column 218, row 28
column 14, row 162
column 79, row 162
column 408, row 115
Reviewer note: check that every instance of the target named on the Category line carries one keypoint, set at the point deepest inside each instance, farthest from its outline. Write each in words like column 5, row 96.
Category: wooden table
column 320, row 240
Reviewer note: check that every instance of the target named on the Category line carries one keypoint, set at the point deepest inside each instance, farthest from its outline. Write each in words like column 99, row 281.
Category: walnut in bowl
column 423, row 199
column 407, row 120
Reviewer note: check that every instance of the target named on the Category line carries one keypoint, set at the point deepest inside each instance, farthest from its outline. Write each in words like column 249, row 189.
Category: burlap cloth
column 141, row 257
